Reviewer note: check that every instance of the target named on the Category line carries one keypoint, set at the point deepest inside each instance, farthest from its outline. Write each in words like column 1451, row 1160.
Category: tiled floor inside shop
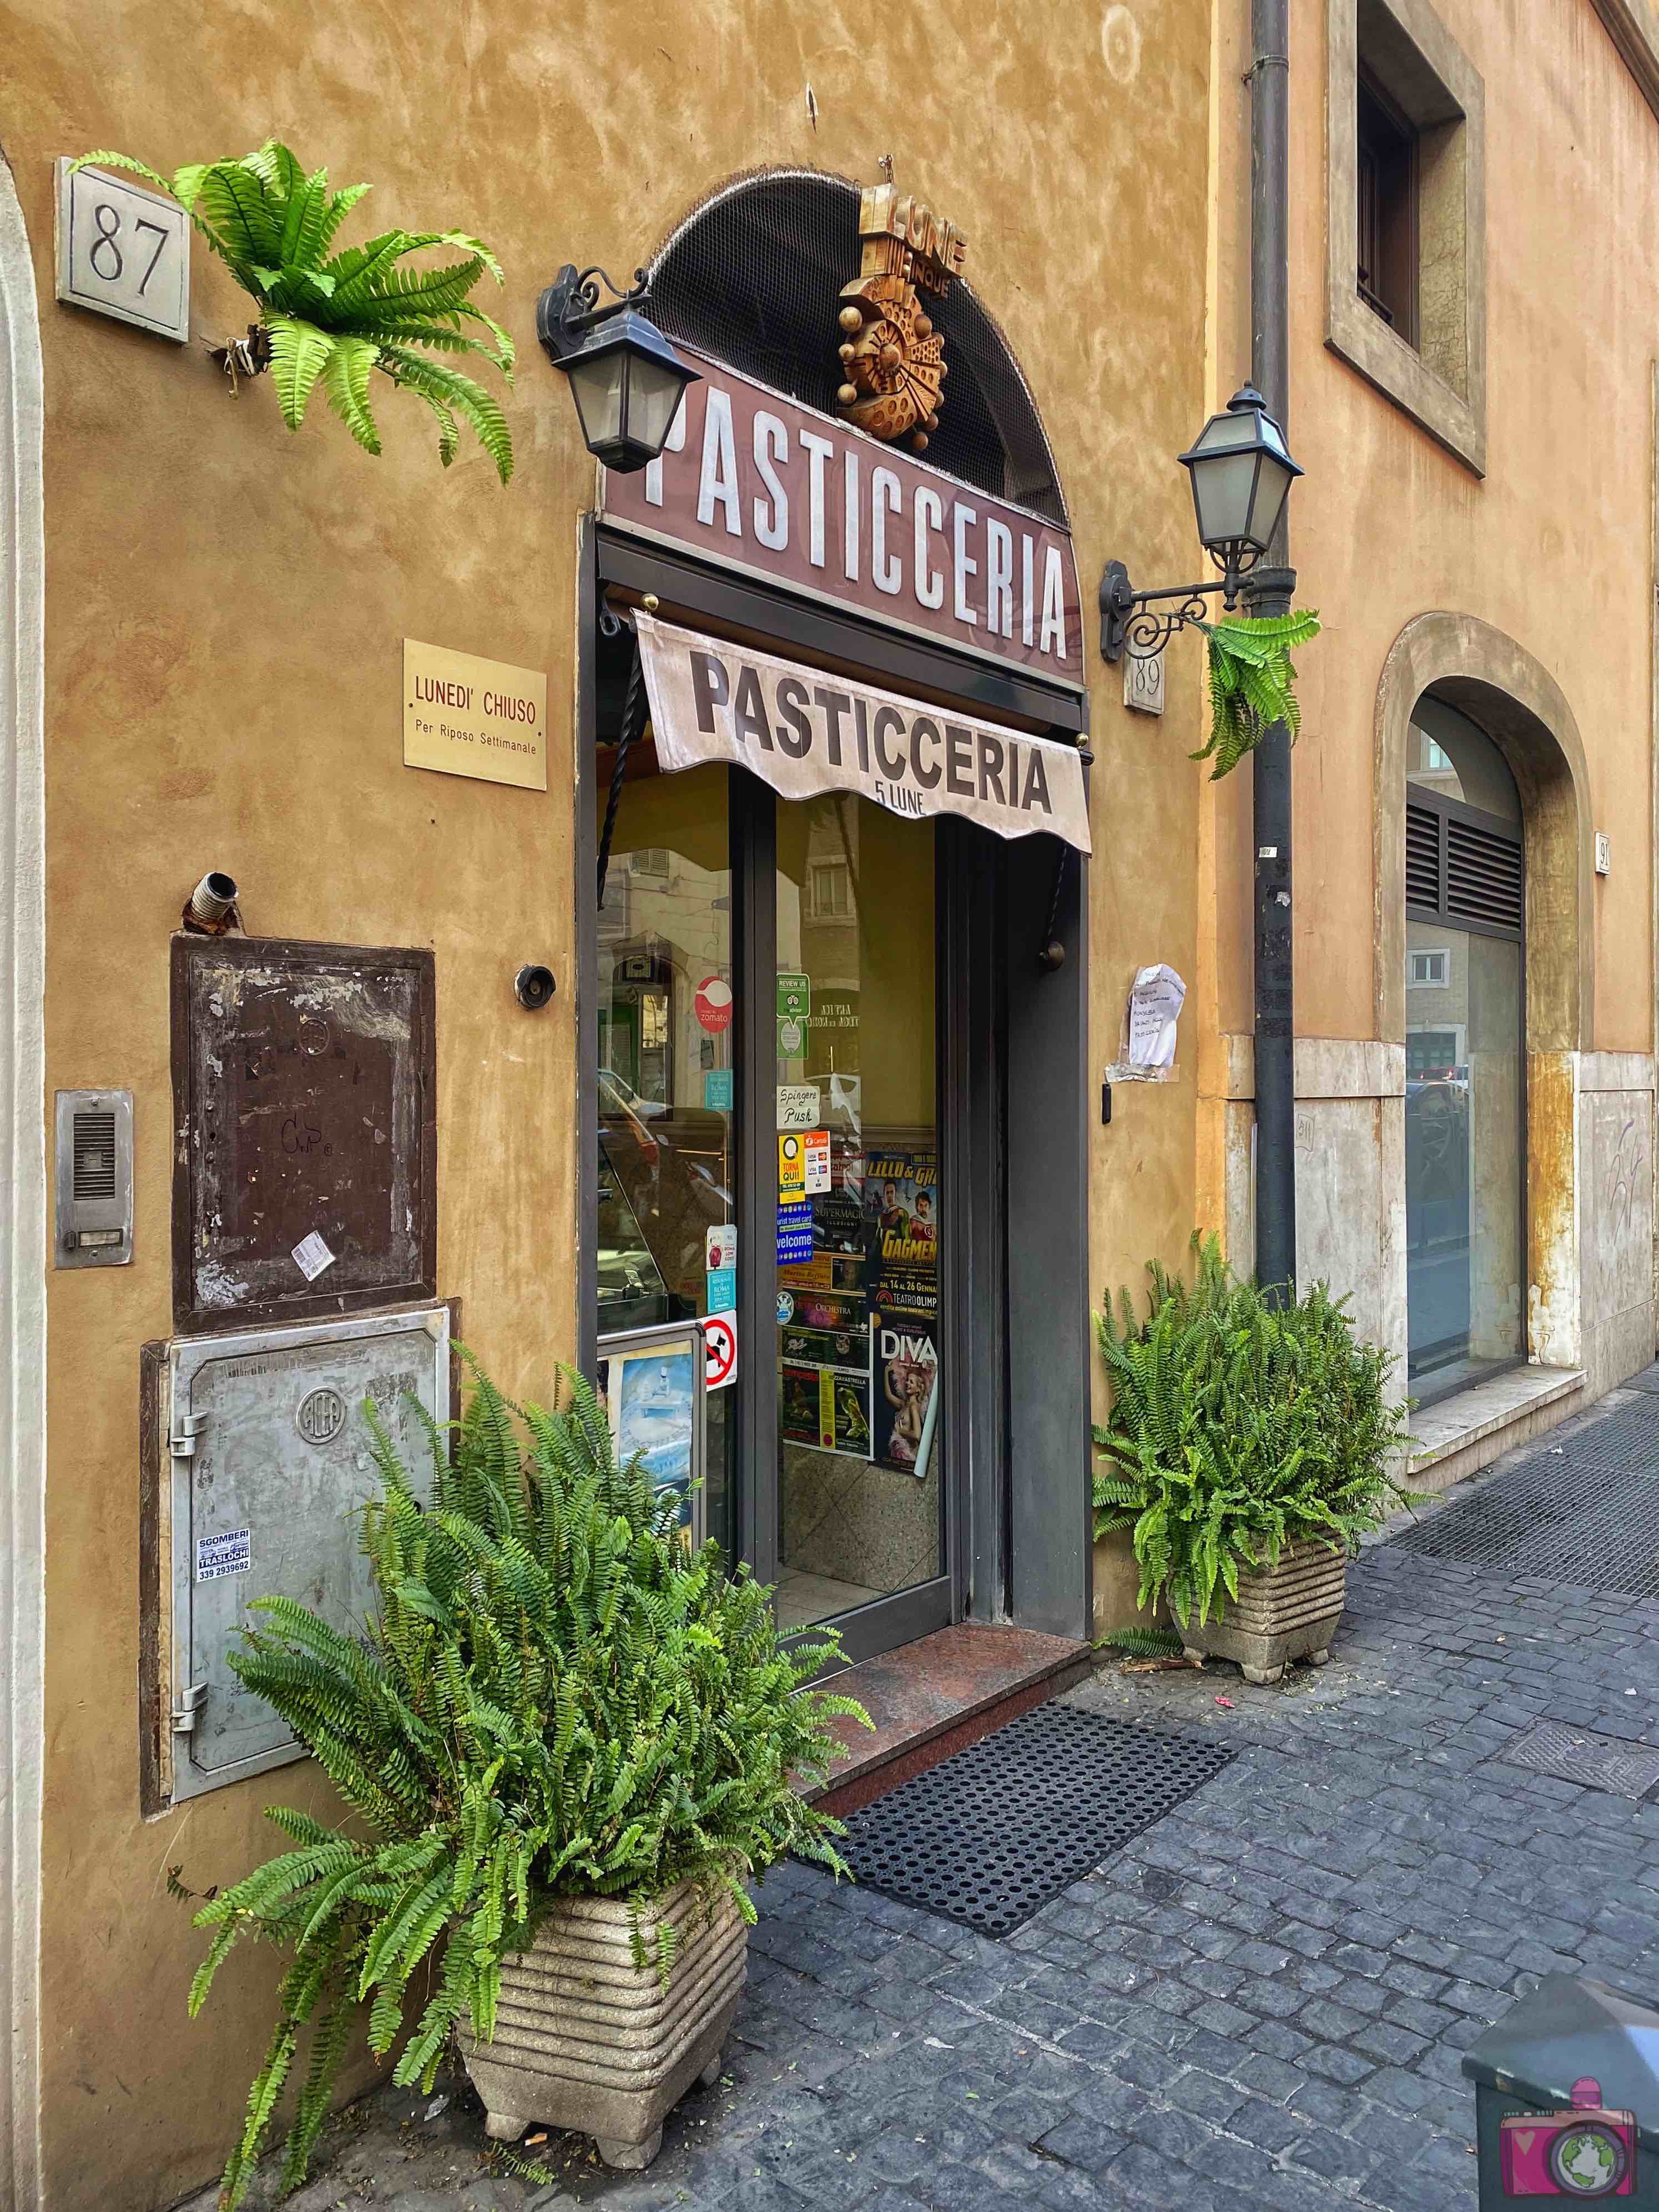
column 804, row 1599
column 1260, row 2005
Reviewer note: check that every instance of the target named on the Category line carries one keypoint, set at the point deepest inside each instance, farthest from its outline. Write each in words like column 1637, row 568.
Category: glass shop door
column 859, row 1448
column 769, row 1145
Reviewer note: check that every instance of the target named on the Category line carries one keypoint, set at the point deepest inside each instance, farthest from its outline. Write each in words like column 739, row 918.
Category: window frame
column 1387, row 140
column 1439, row 375
column 1440, row 952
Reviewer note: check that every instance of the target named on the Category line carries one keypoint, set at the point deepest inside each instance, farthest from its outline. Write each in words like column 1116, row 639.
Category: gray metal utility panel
column 270, row 1452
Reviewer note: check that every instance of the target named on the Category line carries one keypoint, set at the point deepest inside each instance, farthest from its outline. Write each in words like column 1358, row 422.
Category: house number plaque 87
column 123, row 252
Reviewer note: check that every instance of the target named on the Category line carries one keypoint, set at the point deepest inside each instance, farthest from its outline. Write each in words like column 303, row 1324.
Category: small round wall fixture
column 534, row 987
column 625, row 378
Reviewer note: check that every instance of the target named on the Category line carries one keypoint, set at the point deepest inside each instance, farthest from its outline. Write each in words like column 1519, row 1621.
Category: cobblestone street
column 1260, row 2006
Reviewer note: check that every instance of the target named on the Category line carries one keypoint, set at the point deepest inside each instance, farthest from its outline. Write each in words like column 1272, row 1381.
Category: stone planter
column 585, row 2040
column 1283, row 1613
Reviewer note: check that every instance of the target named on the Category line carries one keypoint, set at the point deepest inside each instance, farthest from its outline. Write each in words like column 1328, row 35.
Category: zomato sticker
column 714, row 1002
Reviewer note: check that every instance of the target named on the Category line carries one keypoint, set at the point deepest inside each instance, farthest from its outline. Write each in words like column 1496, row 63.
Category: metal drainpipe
column 1269, row 591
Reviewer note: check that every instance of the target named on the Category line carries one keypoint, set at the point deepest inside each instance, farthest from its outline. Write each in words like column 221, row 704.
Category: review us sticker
column 231, row 1553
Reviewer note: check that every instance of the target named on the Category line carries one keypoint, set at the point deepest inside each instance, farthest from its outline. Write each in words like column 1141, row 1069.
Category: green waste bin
column 1581, row 2061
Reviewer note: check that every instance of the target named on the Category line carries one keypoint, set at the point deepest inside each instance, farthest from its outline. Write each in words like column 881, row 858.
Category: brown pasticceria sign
column 752, row 481
column 804, row 732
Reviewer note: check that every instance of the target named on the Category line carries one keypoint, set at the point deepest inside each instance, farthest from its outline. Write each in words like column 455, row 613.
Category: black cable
column 626, row 736
column 1052, row 952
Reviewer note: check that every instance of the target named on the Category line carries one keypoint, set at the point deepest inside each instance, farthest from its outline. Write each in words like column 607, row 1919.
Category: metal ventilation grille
column 1422, row 857
column 1483, row 876
column 94, row 1155
column 1464, row 868
column 752, row 278
column 1587, row 1514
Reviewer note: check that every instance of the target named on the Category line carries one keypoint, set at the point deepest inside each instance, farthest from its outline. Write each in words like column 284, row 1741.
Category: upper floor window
column 1405, row 235
column 830, row 889
column 1429, row 969
column 1388, row 182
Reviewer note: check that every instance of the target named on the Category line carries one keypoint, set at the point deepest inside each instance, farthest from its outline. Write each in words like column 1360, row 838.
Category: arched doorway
column 1465, row 1045
column 23, row 1197
column 1500, row 720
column 851, row 974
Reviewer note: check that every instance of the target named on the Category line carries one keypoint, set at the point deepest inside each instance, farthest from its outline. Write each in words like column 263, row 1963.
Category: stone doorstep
column 937, row 1696
column 1466, row 1431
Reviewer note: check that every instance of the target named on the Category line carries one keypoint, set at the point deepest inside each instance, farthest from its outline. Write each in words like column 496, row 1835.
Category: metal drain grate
column 1585, row 1512
column 995, row 1833
column 1577, row 1754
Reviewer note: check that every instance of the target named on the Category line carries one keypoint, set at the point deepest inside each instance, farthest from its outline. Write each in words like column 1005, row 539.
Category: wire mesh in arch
column 753, row 278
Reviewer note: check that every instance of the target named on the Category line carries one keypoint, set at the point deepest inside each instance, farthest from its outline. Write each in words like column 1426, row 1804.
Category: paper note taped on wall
column 1147, row 1050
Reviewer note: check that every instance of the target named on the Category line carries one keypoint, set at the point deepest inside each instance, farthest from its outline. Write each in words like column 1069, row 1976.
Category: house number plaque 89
column 1143, row 683
column 123, row 252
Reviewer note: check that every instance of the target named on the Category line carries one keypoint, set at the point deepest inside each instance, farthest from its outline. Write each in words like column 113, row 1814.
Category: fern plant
column 1251, row 682
column 333, row 320
column 555, row 1698
column 1238, row 1427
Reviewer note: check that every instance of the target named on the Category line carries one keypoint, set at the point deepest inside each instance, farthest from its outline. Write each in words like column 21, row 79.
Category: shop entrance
column 832, row 1001
column 826, row 1066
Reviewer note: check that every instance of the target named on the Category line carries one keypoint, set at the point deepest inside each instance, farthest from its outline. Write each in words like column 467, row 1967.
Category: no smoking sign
column 719, row 1339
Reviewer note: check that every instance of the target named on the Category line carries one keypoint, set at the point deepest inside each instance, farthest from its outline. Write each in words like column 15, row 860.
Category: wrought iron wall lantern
column 1242, row 473
column 627, row 380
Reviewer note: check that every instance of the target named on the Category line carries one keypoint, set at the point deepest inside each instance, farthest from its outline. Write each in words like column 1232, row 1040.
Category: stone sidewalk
column 1260, row 2006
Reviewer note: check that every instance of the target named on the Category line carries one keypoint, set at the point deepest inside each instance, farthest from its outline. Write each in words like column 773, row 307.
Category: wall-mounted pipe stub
column 211, row 907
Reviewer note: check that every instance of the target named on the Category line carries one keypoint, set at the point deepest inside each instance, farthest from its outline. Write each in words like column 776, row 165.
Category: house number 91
column 123, row 252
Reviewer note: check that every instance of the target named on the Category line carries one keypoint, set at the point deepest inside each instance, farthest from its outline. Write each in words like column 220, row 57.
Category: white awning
column 804, row 732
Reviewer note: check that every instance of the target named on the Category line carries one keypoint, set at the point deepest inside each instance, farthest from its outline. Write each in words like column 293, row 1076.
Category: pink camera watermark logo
column 1587, row 2152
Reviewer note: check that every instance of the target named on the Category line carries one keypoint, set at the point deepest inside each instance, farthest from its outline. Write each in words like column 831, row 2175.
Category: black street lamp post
column 1242, row 473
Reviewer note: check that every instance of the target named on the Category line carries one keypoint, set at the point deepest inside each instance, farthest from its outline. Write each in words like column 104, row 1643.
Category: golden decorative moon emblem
column 893, row 365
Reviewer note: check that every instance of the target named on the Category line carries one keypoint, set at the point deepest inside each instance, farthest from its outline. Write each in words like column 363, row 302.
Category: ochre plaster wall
column 226, row 609
column 1554, row 548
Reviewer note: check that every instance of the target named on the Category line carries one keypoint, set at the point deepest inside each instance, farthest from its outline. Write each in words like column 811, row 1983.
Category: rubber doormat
column 993, row 1834
column 1585, row 1511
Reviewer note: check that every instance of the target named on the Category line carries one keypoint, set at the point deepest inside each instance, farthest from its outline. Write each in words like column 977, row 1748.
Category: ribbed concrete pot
column 585, row 2040
column 1287, row 1612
